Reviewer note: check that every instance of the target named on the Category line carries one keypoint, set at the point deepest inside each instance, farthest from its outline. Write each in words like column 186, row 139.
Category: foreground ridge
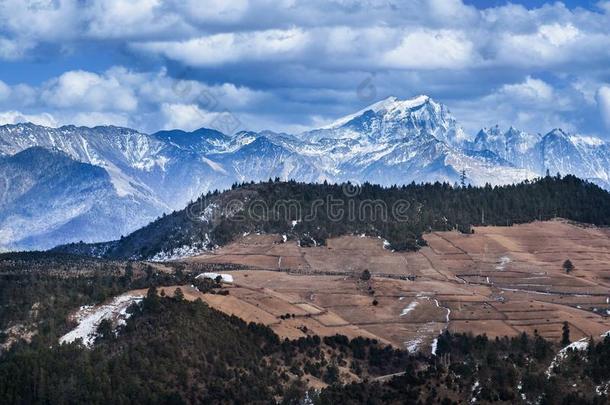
column 307, row 214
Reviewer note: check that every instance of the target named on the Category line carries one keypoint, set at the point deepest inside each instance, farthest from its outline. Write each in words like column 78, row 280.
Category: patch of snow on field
column 426, row 329
column 412, row 305
column 89, row 318
column 438, row 305
column 226, row 278
column 528, row 291
column 504, row 260
column 413, row 345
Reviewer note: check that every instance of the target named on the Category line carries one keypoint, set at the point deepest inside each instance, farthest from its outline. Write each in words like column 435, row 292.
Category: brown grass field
column 498, row 281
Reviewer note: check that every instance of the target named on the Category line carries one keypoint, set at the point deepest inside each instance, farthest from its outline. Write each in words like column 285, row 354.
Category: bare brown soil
column 499, row 281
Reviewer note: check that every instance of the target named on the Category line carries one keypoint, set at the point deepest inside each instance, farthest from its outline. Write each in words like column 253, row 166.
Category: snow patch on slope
column 90, row 317
column 581, row 344
column 412, row 305
column 217, row 167
column 183, row 251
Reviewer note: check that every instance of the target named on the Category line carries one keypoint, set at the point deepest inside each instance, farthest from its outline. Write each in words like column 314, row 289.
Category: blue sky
column 290, row 65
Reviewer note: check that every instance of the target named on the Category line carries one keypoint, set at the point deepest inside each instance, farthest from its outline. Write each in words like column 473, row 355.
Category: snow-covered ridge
column 586, row 140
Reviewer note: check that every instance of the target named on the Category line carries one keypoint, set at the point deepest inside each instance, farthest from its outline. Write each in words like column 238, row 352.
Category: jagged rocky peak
column 557, row 132
column 512, row 132
column 492, row 137
column 488, row 132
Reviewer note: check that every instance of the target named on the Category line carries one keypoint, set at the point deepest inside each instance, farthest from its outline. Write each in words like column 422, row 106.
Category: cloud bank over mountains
column 290, row 65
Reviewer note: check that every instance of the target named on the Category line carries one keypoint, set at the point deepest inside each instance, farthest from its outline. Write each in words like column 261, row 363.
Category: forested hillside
column 175, row 351
column 179, row 352
column 311, row 213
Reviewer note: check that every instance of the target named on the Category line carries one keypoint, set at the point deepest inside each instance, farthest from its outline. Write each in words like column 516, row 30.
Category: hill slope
column 310, row 213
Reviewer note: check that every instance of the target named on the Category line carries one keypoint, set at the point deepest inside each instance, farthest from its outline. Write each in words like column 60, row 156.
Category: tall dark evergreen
column 565, row 333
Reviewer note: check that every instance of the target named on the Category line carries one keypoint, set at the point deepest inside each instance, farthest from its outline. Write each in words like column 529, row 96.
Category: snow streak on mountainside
column 390, row 142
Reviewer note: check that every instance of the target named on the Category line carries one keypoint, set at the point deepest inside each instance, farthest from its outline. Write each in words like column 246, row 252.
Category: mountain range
column 61, row 185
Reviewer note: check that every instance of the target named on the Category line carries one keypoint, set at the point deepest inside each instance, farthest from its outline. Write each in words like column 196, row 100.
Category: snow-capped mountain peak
column 389, row 104
column 394, row 120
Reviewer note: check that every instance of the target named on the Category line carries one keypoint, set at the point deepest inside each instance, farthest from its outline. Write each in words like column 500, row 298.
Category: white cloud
column 531, row 91
column 214, row 10
column 92, row 119
column 363, row 34
column 86, row 89
column 15, row 117
column 343, row 47
column 558, row 34
column 185, row 116
column 41, row 20
column 588, row 89
column 532, row 105
column 190, row 117
column 146, row 101
column 232, row 47
column 432, row 50
column 451, row 12
column 603, row 100
column 604, row 5
column 14, row 49
column 5, row 91
column 132, row 19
